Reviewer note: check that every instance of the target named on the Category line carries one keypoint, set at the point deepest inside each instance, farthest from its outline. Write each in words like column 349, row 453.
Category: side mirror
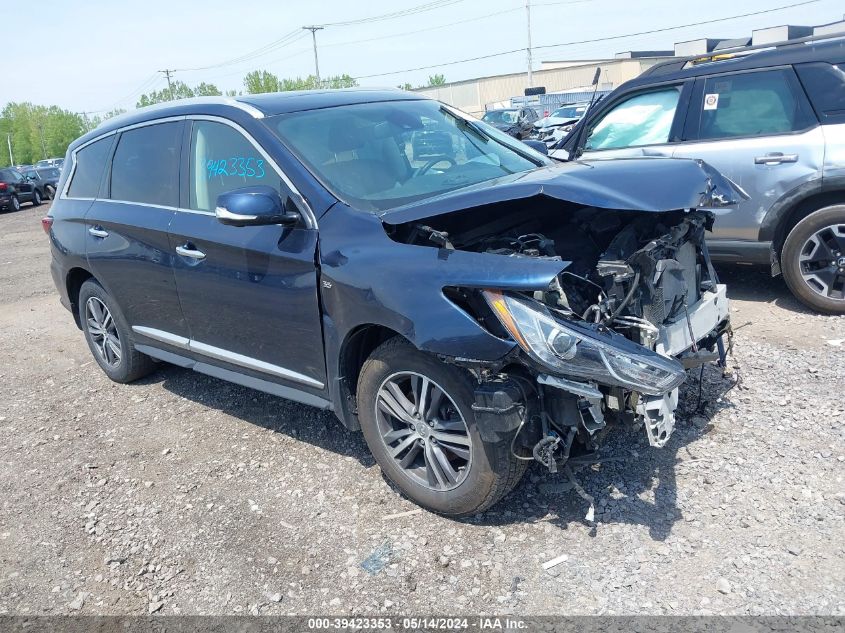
column 253, row 206
column 537, row 146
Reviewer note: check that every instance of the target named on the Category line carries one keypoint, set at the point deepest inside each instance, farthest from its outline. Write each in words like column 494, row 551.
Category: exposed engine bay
column 636, row 303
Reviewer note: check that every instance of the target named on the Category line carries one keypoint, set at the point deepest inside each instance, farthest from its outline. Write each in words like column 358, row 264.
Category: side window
column 145, row 168
column 644, row 119
column 15, row 176
column 825, row 85
column 223, row 159
column 751, row 104
column 90, row 163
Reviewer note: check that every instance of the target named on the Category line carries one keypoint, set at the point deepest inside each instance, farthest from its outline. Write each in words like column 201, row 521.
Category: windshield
column 570, row 112
column 377, row 156
column 500, row 116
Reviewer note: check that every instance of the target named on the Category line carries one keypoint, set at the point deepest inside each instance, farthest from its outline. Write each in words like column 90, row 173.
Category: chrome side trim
column 252, row 363
column 226, row 356
column 140, row 204
column 238, row 378
column 162, row 336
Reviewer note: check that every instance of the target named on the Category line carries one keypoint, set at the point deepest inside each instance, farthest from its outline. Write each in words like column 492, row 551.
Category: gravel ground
column 185, row 494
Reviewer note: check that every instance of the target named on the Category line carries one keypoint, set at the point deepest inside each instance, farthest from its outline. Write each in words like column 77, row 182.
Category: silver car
column 773, row 121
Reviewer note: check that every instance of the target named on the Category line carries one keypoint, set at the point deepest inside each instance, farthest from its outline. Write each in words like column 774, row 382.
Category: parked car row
column 16, row 189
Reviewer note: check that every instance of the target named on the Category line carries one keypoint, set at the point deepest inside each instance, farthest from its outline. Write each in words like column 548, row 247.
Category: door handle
column 98, row 231
column 776, row 158
column 189, row 251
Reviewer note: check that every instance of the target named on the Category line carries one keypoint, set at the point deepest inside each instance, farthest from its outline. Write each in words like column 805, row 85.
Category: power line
column 589, row 41
column 285, row 40
column 420, row 8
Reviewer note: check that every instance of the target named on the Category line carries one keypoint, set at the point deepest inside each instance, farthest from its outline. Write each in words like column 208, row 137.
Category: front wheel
column 36, row 198
column 16, row 204
column 417, row 419
column 50, row 191
column 813, row 260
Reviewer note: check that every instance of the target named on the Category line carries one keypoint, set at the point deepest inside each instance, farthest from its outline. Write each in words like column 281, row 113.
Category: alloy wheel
column 423, row 430
column 16, row 204
column 821, row 262
column 103, row 331
column 37, row 197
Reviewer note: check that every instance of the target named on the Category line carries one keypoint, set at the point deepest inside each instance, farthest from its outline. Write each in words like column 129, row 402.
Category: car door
column 249, row 293
column 642, row 123
column 23, row 187
column 128, row 248
column 758, row 129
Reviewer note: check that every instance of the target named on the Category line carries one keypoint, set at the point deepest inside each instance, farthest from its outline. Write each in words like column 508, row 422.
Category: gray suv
column 773, row 121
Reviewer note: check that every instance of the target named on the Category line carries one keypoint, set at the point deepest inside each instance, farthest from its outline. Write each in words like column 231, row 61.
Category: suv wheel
column 109, row 337
column 50, row 191
column 36, row 198
column 813, row 260
column 16, row 204
column 417, row 419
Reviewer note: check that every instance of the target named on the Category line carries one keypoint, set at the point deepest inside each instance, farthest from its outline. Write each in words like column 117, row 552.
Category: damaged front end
column 635, row 305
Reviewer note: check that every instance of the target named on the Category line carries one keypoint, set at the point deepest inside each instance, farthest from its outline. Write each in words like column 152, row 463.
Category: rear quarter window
column 90, row 163
column 825, row 86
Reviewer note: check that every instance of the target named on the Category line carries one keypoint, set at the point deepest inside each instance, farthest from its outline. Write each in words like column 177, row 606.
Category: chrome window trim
column 218, row 353
column 141, row 204
column 310, row 218
column 126, row 128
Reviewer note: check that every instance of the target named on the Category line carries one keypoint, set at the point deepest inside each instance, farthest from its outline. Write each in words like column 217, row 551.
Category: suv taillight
column 3, row 186
column 47, row 224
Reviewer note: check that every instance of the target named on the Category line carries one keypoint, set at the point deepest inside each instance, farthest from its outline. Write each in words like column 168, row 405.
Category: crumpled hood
column 626, row 184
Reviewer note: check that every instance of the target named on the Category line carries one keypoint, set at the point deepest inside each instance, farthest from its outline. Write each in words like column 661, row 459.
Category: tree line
column 35, row 132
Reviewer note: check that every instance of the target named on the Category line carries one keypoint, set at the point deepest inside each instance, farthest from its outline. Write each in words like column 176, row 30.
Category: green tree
column 436, row 80
column 405, row 86
column 261, row 81
column 37, row 132
column 177, row 90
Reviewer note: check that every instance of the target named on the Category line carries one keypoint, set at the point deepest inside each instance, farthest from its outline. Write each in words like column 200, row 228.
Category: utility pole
column 9, row 141
column 167, row 74
column 314, row 30
column 40, row 127
column 528, row 24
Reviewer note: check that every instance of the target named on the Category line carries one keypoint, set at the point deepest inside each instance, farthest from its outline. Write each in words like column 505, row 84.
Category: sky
column 97, row 55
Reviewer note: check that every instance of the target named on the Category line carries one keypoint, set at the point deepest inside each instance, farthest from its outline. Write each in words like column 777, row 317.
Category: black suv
column 771, row 120
column 15, row 189
column 470, row 311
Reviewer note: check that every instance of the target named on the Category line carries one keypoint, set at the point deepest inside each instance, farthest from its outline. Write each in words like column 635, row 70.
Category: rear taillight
column 47, row 224
column 3, row 186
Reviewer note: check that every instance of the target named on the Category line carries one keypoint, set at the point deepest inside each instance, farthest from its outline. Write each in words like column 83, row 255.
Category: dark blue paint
column 292, row 296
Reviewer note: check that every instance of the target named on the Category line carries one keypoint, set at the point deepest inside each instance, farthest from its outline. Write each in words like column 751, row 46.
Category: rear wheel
column 813, row 260
column 417, row 419
column 16, row 204
column 109, row 337
column 50, row 191
column 36, row 198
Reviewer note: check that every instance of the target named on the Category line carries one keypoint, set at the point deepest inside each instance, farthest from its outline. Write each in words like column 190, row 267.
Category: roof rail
column 722, row 54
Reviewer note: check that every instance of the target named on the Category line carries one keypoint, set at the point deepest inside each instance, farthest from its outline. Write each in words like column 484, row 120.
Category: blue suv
column 468, row 311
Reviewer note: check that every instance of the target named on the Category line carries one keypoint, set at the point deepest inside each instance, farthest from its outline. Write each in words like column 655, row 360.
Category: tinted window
column 48, row 173
column 31, row 174
column 825, row 84
column 90, row 163
column 145, row 168
column 15, row 176
column 644, row 119
column 223, row 159
column 751, row 104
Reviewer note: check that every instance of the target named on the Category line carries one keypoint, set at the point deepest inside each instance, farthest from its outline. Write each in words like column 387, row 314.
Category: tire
column 36, row 198
column 15, row 204
column 813, row 260
column 124, row 365
column 50, row 192
column 490, row 472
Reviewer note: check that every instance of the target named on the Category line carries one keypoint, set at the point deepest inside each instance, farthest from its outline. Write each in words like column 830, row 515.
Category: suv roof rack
column 733, row 52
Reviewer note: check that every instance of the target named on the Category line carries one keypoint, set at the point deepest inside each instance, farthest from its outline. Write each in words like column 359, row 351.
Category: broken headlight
column 581, row 352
